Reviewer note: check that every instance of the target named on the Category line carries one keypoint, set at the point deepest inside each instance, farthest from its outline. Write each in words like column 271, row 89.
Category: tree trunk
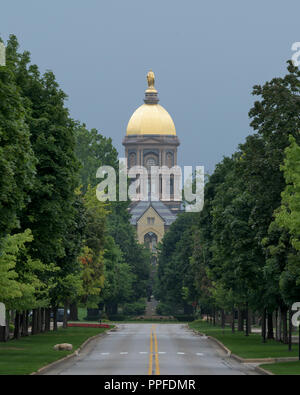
column 17, row 330
column 43, row 319
column 47, row 319
column 250, row 314
column 2, row 333
column 214, row 317
column 39, row 320
column 73, row 312
column 25, row 323
column 247, row 319
column 240, row 320
column 22, row 321
column 34, row 322
column 276, row 326
column 54, row 310
column 263, row 326
column 223, row 318
column 284, row 325
column 65, row 321
column 279, row 325
column 233, row 321
column 270, row 326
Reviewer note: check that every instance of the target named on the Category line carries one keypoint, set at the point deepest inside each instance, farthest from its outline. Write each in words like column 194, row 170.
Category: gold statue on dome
column 151, row 79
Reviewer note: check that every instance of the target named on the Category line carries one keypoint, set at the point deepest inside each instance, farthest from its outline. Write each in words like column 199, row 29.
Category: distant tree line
column 59, row 246
column 242, row 252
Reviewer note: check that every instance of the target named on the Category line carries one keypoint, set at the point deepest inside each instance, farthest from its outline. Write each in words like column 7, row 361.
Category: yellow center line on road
column 153, row 336
column 151, row 353
column 157, row 372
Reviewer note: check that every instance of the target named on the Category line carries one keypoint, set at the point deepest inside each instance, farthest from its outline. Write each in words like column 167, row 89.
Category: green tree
column 134, row 254
column 50, row 210
column 288, row 215
column 175, row 281
column 17, row 161
column 118, row 285
column 93, row 150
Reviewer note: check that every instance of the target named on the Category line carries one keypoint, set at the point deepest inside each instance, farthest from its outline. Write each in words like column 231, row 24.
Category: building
column 151, row 140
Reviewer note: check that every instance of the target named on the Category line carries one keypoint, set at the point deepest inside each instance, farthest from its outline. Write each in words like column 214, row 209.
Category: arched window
column 150, row 240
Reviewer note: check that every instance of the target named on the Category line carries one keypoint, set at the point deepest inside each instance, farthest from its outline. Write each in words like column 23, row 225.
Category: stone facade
column 150, row 222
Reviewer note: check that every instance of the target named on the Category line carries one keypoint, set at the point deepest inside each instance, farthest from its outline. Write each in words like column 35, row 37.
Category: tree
column 175, row 281
column 119, row 279
column 92, row 255
column 134, row 254
column 17, row 161
column 20, row 278
column 93, row 150
column 50, row 210
column 288, row 215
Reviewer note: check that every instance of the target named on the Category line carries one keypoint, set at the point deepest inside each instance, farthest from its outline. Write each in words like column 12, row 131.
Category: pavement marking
column 151, row 354
column 153, row 340
column 157, row 371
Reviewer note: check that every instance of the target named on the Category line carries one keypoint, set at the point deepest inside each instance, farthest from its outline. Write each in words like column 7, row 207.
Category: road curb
column 263, row 371
column 74, row 354
column 247, row 360
column 224, row 348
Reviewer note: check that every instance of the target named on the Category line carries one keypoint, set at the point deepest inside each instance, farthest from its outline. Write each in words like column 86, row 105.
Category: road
column 151, row 349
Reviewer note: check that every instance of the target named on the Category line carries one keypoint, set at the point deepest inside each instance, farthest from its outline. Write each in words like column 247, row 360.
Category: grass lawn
column 286, row 368
column 245, row 346
column 30, row 353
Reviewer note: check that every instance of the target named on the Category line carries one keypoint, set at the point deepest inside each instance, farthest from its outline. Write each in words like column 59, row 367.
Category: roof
column 151, row 119
column 162, row 210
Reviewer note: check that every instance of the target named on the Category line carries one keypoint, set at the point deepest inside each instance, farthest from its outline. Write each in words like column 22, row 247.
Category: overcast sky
column 206, row 55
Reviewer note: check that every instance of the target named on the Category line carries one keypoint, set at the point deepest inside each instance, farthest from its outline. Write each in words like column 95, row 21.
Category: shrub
column 164, row 309
column 117, row 317
column 136, row 308
column 184, row 317
column 92, row 318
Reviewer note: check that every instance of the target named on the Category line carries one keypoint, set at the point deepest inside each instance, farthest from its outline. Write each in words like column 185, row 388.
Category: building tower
column 151, row 140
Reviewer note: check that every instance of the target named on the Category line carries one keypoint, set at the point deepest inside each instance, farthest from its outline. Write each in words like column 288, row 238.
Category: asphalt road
column 139, row 349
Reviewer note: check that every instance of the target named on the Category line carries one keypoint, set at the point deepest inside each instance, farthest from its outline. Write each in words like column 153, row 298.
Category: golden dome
column 151, row 119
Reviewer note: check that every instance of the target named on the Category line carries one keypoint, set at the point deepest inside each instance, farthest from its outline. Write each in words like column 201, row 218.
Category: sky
column 206, row 55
